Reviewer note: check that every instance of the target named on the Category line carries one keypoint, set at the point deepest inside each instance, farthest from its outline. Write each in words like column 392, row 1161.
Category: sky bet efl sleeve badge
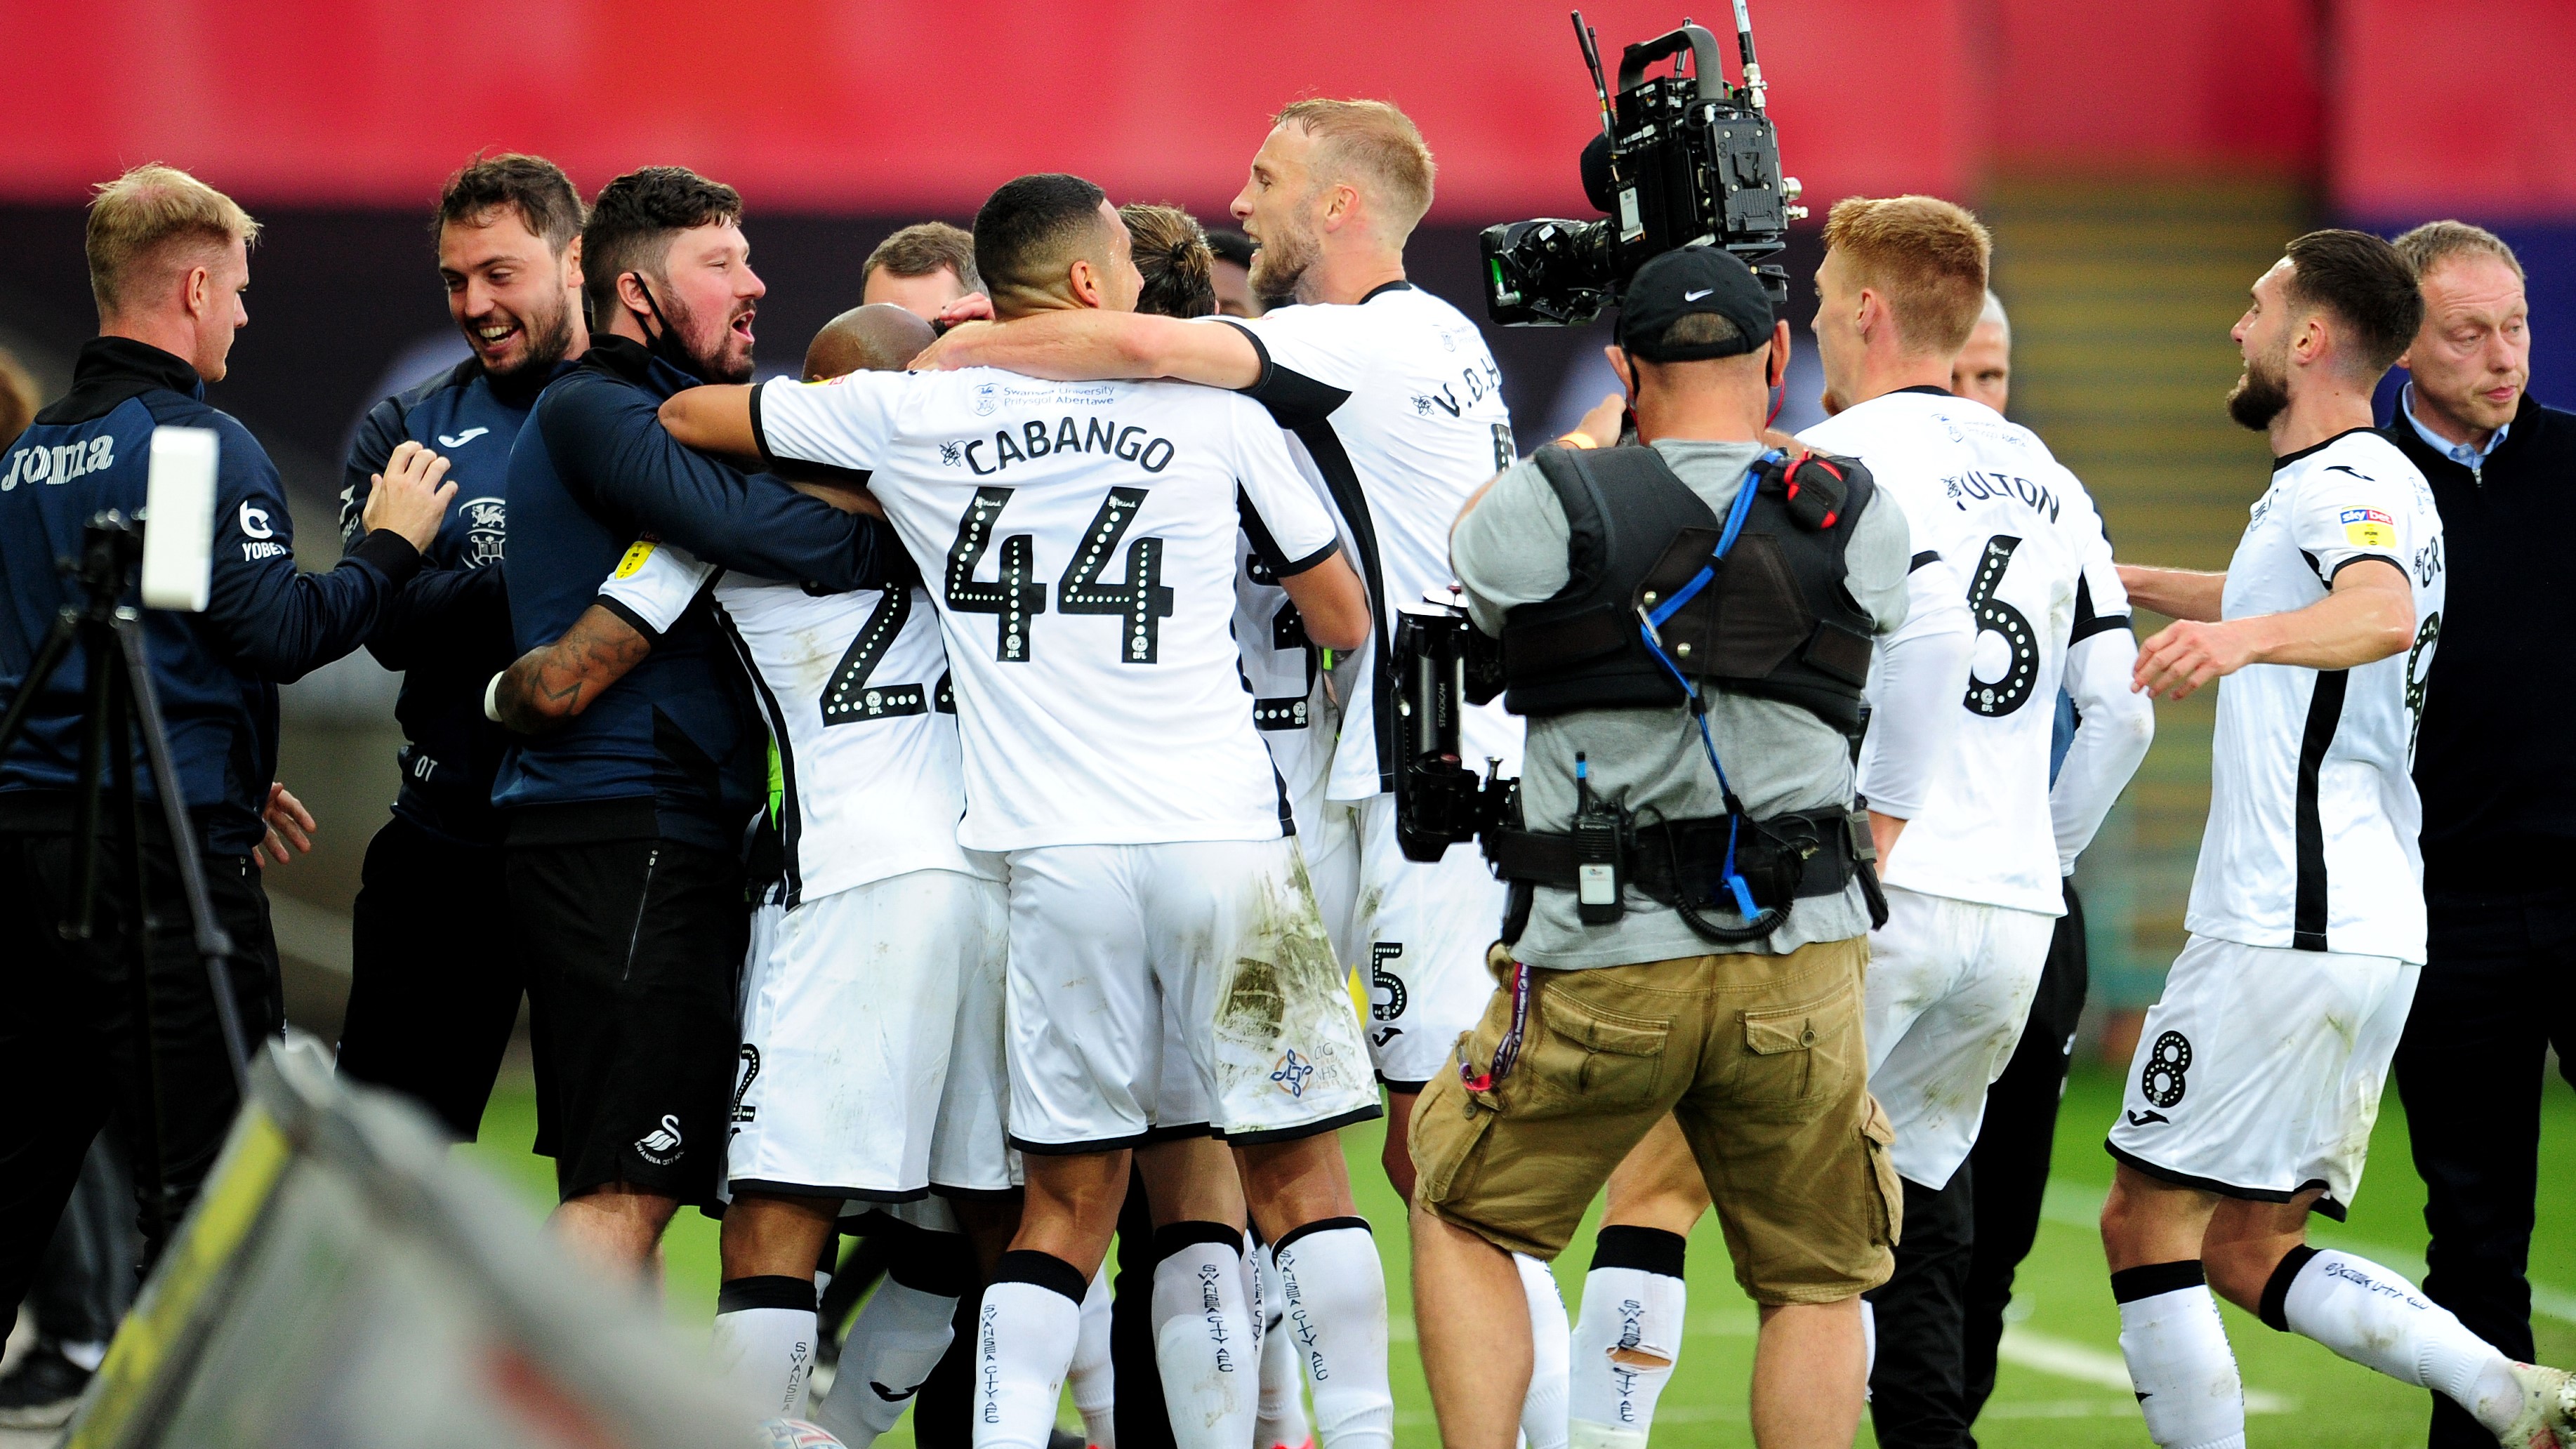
column 2369, row 528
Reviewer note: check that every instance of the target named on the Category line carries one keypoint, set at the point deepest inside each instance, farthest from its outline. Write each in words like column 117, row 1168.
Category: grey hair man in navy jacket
column 2499, row 982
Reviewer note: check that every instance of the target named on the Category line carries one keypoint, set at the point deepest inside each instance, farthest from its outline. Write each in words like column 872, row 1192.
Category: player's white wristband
column 492, row 699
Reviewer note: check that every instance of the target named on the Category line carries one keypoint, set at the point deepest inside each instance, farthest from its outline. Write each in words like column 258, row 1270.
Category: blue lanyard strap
column 1708, row 571
column 1651, row 621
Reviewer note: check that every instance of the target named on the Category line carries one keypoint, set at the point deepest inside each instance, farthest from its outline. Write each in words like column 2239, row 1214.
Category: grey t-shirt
column 1510, row 549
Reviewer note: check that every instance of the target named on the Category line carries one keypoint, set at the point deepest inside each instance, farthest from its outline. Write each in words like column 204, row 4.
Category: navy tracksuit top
column 216, row 673
column 675, row 749
column 448, row 631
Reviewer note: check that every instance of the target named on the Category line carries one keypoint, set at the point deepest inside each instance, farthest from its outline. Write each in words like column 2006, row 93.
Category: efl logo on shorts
column 661, row 1146
column 2369, row 528
column 1292, row 1074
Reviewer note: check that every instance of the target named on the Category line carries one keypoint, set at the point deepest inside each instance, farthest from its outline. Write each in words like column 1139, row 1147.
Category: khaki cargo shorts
column 1759, row 1058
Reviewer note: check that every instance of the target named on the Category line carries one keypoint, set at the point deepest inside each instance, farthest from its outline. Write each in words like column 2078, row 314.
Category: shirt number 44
column 1016, row 596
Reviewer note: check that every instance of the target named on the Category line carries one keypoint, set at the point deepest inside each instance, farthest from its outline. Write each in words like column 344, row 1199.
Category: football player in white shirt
column 1294, row 711
column 1973, row 867
column 1396, row 408
column 2258, row 1074
column 880, row 929
column 1110, row 754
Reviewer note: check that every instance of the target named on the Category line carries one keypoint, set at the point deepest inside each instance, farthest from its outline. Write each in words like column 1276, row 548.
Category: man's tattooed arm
column 551, row 684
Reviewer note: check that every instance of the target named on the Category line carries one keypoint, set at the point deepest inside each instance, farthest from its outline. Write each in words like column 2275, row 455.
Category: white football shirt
column 1397, row 409
column 2313, row 813
column 864, row 775
column 1079, row 539
column 1283, row 669
column 2018, row 535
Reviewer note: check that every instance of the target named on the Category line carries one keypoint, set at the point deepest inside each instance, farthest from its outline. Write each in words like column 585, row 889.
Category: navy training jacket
column 675, row 750
column 216, row 673
column 448, row 630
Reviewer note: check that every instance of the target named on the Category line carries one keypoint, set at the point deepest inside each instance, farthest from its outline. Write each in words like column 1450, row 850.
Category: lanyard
column 1650, row 622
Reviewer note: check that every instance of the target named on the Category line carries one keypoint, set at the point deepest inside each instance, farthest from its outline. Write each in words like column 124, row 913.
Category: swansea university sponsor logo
column 1036, row 439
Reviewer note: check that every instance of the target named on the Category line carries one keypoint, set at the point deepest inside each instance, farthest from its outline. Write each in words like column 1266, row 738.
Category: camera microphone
column 1600, row 187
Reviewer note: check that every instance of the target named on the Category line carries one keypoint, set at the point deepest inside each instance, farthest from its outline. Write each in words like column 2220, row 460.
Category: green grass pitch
column 2061, row 1386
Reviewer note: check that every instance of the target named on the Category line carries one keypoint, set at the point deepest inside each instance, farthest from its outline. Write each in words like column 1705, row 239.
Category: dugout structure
column 343, row 1281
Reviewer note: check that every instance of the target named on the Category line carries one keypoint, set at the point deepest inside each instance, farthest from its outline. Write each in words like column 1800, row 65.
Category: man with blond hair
column 1973, row 861
column 1395, row 408
column 168, row 261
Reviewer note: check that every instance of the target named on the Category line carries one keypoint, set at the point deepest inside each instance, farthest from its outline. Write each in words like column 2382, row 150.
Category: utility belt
column 1679, row 863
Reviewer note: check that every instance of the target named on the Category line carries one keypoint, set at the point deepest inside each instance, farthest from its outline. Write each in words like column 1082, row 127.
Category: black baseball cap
column 1692, row 280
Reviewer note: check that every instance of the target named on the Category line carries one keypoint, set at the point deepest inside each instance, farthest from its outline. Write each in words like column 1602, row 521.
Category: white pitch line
column 2068, row 1359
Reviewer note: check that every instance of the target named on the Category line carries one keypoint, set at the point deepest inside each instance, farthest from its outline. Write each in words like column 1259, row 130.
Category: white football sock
column 764, row 1337
column 1281, row 1423
column 2379, row 1320
column 1024, row 1339
column 1543, row 1412
column 1203, row 1336
column 2179, row 1361
column 1633, row 1300
column 1095, row 1387
column 898, row 1339
column 1333, row 1289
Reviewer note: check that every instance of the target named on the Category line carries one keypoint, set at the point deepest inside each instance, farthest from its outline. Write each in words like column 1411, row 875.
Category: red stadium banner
column 832, row 106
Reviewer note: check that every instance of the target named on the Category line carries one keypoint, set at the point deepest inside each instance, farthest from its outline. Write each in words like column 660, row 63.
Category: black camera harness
column 1796, row 855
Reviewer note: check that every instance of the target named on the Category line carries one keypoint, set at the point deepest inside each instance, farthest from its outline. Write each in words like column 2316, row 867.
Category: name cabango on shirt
column 1039, row 437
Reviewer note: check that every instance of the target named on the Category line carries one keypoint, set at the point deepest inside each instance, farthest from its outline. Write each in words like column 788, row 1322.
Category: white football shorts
column 1949, row 988
column 863, row 1072
column 1226, row 930
column 2258, row 1075
column 1418, row 933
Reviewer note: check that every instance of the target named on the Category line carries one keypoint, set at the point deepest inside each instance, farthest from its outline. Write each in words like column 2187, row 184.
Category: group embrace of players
column 1084, row 678
column 953, row 789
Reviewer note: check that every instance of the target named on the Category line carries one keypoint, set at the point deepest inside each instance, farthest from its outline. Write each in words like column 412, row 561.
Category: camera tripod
column 121, row 711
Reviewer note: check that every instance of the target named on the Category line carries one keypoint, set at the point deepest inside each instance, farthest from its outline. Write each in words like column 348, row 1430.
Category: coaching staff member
column 1755, row 1046
column 2499, row 979
column 923, row 268
column 432, row 995
column 168, row 262
column 624, row 820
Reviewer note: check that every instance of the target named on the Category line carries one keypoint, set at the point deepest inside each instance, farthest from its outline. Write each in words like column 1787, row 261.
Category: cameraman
column 1754, row 1044
column 168, row 261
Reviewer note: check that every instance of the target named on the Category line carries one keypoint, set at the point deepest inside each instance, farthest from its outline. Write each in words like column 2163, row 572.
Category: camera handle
column 1706, row 69
column 121, row 707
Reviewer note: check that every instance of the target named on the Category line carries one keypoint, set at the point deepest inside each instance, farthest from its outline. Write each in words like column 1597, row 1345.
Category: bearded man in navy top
column 434, row 988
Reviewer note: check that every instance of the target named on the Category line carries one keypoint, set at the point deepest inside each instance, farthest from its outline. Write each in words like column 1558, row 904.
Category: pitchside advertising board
column 343, row 1280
